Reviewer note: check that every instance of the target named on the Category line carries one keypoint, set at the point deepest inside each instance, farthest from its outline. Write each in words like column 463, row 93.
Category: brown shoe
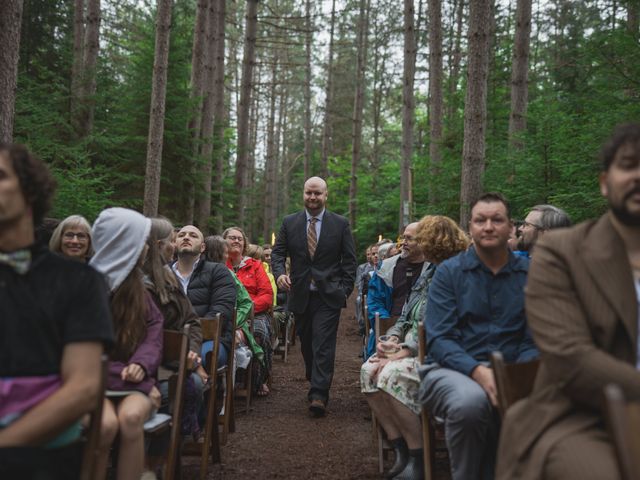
column 317, row 408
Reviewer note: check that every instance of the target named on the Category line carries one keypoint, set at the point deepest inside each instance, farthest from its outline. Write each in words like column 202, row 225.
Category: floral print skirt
column 398, row 378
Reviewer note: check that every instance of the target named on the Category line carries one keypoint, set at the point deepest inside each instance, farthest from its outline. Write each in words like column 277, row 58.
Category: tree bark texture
column 358, row 108
column 10, row 22
column 198, row 62
column 520, row 74
column 308, row 38
column 244, row 109
column 632, row 17
column 271, row 162
column 408, row 111
column 456, row 59
column 219, row 115
column 156, row 117
column 90, row 61
column 203, row 194
column 78, row 63
column 326, row 131
column 475, row 108
column 435, row 95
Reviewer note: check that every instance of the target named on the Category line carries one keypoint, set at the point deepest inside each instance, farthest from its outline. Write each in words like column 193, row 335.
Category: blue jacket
column 472, row 312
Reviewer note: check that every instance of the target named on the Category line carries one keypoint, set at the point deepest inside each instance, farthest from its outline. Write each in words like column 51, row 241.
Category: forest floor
column 279, row 439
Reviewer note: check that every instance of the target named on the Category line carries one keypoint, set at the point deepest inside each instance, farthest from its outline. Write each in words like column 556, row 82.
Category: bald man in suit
column 323, row 268
column 582, row 307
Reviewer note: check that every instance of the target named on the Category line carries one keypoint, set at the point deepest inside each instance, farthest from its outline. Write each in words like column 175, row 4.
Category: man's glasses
column 80, row 236
column 532, row 225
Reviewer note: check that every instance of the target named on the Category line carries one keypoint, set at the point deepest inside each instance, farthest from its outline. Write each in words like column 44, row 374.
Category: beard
column 524, row 244
column 622, row 213
column 624, row 216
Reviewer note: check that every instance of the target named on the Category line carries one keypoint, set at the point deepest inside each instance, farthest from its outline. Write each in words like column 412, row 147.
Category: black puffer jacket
column 212, row 290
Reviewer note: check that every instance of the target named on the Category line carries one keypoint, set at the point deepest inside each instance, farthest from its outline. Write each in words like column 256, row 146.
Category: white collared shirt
column 184, row 281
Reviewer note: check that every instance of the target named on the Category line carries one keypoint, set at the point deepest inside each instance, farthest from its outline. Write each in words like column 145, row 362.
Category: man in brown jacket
column 582, row 307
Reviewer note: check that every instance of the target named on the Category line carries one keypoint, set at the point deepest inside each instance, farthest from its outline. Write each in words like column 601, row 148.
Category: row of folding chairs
column 175, row 352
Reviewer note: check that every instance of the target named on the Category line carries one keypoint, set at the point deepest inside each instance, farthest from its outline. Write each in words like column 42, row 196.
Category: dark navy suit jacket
column 333, row 267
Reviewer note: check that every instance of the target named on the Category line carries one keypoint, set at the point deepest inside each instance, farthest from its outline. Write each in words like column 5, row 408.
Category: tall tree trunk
column 520, row 74
column 456, row 59
column 78, row 63
column 271, row 162
column 286, row 164
column 203, row 196
column 156, row 117
column 632, row 17
column 435, row 95
column 475, row 108
column 219, row 116
column 408, row 109
column 199, row 59
column 358, row 107
column 328, row 117
column 379, row 86
column 252, row 195
column 244, row 109
column 90, row 52
column 10, row 22
column 308, row 37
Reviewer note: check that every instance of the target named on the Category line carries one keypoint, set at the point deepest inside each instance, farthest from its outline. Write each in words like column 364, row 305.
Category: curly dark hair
column 36, row 182
column 622, row 134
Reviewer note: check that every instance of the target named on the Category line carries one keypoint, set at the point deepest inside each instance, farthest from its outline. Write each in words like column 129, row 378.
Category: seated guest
column 177, row 312
column 391, row 380
column 362, row 269
column 217, row 251
column 209, row 286
column 539, row 220
column 582, row 305
column 252, row 275
column 475, row 306
column 54, row 321
column 391, row 283
column 72, row 238
column 120, row 237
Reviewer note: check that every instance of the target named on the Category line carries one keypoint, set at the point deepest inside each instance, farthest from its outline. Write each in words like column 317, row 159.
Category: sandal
column 263, row 391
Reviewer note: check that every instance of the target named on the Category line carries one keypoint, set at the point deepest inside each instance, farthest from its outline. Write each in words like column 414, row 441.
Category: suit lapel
column 325, row 229
column 604, row 254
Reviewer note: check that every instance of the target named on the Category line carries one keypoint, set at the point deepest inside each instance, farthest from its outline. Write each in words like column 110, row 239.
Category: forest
column 214, row 112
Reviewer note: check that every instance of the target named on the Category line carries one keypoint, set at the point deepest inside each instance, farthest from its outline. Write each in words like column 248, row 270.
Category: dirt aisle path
column 278, row 438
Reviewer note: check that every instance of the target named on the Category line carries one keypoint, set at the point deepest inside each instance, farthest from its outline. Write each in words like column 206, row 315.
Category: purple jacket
column 148, row 355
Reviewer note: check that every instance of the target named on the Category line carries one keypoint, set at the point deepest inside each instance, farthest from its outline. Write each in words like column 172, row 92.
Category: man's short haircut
column 552, row 217
column 36, row 182
column 492, row 197
column 622, row 134
column 382, row 242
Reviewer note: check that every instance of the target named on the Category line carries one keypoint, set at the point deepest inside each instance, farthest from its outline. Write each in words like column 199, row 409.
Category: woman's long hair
column 129, row 311
column 160, row 276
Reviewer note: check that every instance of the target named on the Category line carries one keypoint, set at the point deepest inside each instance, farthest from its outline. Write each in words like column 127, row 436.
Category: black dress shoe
column 414, row 470
column 317, row 408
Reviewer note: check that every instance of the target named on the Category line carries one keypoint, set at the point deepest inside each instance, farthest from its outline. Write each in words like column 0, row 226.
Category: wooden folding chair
column 623, row 421
column 92, row 434
column 243, row 389
column 514, row 381
column 428, row 434
column 227, row 417
column 384, row 447
column 284, row 338
column 175, row 350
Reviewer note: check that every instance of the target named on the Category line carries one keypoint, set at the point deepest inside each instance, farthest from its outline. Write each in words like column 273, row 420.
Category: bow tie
column 20, row 260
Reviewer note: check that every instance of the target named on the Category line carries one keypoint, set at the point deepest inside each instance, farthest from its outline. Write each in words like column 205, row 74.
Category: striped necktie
column 20, row 260
column 312, row 237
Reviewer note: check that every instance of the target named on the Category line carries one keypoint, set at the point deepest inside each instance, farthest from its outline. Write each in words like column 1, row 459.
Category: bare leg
column 387, row 422
column 406, row 421
column 133, row 411
column 108, row 431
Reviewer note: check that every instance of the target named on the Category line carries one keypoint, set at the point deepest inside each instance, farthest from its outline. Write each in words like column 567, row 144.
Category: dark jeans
column 317, row 328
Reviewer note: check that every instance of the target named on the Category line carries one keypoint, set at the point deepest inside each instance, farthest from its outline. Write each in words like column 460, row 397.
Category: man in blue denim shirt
column 475, row 306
